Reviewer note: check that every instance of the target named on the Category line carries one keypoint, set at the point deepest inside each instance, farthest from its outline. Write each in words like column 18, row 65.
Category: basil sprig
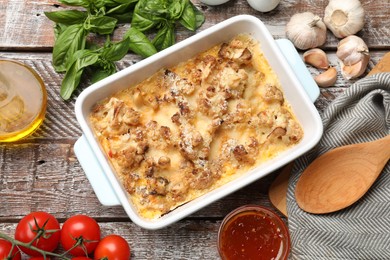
column 73, row 53
column 102, row 58
column 163, row 15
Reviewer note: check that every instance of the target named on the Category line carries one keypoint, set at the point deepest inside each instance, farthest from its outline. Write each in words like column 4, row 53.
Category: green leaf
column 116, row 51
column 67, row 17
column 188, row 18
column 73, row 75
column 84, row 3
column 101, row 73
column 58, row 29
column 142, row 23
column 199, row 16
column 122, row 8
column 97, row 6
column 101, row 24
column 139, row 43
column 72, row 39
column 191, row 18
column 165, row 37
column 122, row 18
column 125, row 1
column 176, row 9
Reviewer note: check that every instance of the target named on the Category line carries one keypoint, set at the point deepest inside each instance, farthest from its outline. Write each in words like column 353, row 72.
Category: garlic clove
column 355, row 70
column 344, row 18
column 317, row 58
column 351, row 50
column 327, row 78
column 306, row 30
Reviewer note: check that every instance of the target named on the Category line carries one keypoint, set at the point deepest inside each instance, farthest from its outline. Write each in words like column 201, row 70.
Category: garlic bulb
column 214, row 2
column 344, row 18
column 351, row 50
column 354, row 56
column 263, row 5
column 306, row 30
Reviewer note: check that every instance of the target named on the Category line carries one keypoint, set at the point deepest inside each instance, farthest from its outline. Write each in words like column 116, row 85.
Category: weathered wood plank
column 23, row 25
column 182, row 240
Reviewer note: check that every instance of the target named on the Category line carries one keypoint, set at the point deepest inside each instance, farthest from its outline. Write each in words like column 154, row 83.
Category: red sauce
column 253, row 235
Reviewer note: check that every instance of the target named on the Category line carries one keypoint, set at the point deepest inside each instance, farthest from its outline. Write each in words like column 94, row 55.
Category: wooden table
column 41, row 172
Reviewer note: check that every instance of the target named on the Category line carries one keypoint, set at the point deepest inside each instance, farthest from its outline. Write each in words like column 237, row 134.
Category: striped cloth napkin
column 361, row 231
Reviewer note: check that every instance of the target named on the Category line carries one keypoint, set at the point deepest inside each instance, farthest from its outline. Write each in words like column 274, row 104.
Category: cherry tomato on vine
column 39, row 258
column 41, row 226
column 5, row 248
column 83, row 231
column 112, row 247
column 81, row 258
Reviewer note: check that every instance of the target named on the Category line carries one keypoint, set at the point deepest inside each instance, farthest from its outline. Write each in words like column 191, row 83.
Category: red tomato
column 112, row 247
column 5, row 248
column 38, row 222
column 81, row 258
column 39, row 258
column 81, row 230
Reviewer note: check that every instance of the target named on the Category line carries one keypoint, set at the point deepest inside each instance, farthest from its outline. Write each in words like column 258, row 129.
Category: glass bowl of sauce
column 253, row 232
column 23, row 100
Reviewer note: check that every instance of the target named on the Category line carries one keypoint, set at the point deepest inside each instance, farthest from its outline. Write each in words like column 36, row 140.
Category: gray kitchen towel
column 361, row 231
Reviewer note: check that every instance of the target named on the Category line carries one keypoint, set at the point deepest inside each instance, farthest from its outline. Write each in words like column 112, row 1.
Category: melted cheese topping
column 191, row 128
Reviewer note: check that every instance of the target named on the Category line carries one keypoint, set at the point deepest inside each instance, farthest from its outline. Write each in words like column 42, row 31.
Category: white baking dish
column 299, row 88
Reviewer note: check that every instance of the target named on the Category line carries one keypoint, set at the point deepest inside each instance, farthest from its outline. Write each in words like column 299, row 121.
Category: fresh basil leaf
column 67, row 17
column 176, row 9
column 165, row 37
column 139, row 43
column 58, row 29
column 122, row 18
column 108, row 3
column 97, row 6
column 72, row 39
column 83, row 3
column 142, row 23
column 199, row 16
column 156, row 7
column 101, row 24
column 73, row 75
column 101, row 73
column 116, row 51
column 121, row 7
column 125, row 1
column 188, row 18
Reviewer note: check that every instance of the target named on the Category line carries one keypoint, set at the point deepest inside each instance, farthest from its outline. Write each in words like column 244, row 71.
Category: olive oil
column 23, row 101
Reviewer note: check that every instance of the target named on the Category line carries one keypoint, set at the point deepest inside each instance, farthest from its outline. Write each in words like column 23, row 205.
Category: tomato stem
column 40, row 231
column 29, row 246
column 10, row 256
column 79, row 242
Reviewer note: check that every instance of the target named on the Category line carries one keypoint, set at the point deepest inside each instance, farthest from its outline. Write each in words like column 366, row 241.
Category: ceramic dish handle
column 98, row 179
column 94, row 172
column 301, row 72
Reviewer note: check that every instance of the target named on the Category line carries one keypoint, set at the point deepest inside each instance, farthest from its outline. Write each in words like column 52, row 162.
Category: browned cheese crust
column 191, row 128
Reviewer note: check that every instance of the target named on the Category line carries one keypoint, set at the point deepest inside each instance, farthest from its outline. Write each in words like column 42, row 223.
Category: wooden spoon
column 340, row 177
column 278, row 189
